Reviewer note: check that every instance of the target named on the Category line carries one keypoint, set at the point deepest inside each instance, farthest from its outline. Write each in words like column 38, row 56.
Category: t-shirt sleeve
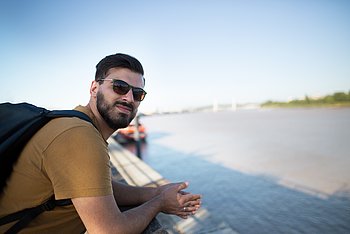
column 77, row 164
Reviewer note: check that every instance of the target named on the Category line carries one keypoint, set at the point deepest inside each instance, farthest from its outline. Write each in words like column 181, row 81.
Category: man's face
column 118, row 110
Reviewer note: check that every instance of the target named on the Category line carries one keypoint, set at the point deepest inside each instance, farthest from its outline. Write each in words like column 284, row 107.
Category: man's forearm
column 101, row 215
column 143, row 214
column 127, row 195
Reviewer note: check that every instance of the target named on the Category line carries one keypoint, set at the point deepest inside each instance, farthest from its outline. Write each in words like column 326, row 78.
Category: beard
column 114, row 119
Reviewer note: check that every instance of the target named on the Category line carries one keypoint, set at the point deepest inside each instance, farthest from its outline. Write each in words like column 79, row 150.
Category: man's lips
column 124, row 108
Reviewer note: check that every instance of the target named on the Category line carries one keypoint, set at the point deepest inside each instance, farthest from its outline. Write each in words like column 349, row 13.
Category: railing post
column 137, row 137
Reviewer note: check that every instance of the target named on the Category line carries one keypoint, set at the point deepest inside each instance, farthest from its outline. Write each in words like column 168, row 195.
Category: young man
column 69, row 158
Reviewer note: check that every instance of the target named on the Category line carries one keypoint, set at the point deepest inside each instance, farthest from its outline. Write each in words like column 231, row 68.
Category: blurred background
column 226, row 73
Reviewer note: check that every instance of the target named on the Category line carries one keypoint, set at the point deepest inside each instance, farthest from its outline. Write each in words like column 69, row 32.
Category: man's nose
column 129, row 96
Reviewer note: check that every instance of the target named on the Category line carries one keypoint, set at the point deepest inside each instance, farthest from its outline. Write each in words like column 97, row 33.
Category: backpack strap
column 27, row 215
column 69, row 113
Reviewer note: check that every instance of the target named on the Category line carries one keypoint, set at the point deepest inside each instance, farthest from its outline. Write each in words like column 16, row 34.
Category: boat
column 129, row 134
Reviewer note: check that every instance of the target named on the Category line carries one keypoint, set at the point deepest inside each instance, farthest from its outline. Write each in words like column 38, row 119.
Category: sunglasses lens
column 121, row 87
column 139, row 94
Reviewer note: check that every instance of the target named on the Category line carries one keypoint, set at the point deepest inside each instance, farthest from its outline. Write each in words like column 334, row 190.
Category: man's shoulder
column 68, row 122
column 63, row 125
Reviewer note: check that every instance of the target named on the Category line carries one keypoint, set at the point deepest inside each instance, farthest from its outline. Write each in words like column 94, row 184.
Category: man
column 68, row 157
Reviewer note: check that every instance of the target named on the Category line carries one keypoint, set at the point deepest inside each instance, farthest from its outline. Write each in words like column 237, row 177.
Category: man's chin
column 122, row 121
column 125, row 118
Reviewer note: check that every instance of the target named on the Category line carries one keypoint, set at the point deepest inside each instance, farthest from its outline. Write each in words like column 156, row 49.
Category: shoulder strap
column 69, row 113
column 27, row 215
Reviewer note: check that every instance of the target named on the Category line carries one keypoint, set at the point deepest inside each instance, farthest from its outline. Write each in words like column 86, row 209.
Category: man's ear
column 94, row 88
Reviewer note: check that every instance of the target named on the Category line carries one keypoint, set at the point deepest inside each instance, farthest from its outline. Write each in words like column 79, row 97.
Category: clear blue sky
column 193, row 52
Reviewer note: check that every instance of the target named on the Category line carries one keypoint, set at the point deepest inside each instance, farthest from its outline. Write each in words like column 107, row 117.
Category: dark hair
column 117, row 60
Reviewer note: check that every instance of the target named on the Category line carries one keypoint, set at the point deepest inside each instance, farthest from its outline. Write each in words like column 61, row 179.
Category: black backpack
column 18, row 123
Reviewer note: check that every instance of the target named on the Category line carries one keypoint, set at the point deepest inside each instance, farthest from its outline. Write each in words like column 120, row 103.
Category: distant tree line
column 336, row 99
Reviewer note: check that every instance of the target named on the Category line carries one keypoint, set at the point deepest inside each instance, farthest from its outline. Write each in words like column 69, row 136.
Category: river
column 260, row 171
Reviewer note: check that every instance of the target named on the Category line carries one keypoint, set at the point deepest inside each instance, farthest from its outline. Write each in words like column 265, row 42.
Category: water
column 260, row 171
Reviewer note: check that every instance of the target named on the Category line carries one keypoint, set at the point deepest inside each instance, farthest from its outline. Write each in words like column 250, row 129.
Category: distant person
column 68, row 158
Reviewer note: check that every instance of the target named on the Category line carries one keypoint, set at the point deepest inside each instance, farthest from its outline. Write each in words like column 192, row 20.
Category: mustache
column 126, row 104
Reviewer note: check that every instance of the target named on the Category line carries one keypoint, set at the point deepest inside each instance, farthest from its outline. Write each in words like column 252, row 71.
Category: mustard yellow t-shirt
column 69, row 158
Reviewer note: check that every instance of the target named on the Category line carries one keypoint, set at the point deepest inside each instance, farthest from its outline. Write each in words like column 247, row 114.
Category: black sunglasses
column 122, row 88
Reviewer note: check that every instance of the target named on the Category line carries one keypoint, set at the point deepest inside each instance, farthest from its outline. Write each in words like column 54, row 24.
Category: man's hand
column 176, row 201
column 102, row 215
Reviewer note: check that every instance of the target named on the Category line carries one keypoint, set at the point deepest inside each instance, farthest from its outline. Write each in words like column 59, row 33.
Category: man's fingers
column 191, row 197
column 193, row 203
column 189, row 209
column 183, row 192
column 182, row 186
